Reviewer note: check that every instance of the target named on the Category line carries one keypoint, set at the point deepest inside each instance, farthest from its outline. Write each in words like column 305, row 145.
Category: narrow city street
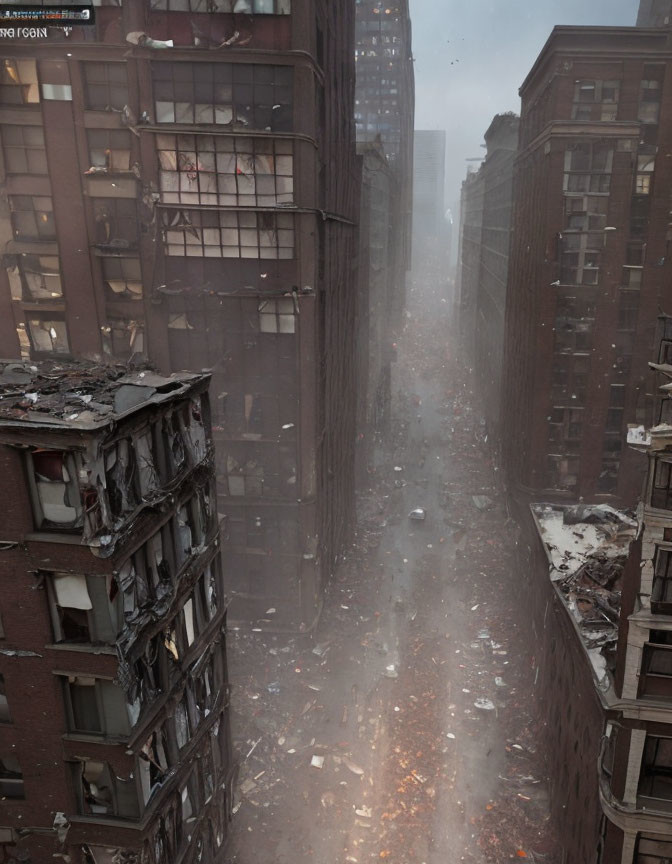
column 404, row 729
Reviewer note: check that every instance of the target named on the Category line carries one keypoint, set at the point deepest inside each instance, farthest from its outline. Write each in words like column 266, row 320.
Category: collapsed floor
column 405, row 729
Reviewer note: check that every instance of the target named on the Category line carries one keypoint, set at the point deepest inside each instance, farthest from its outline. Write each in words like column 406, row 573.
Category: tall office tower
column 385, row 108
column 182, row 184
column 590, row 263
column 486, row 234
column 429, row 180
column 114, row 722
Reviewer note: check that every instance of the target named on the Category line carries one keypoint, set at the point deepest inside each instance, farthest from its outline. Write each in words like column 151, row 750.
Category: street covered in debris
column 404, row 728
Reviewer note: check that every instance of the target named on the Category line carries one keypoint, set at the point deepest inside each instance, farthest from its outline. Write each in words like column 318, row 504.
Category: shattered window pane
column 225, row 171
column 258, row 96
column 58, row 503
column 200, row 233
column 48, row 336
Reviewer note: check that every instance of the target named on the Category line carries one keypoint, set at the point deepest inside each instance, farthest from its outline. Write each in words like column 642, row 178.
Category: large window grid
column 32, row 217
column 225, row 171
column 256, row 96
column 595, row 100
column 105, row 86
column 217, row 234
column 24, row 149
column 242, row 7
column 18, row 82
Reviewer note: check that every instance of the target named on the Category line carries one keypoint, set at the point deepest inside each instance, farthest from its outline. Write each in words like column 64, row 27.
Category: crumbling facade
column 114, row 724
column 589, row 261
column 181, row 183
column 488, row 200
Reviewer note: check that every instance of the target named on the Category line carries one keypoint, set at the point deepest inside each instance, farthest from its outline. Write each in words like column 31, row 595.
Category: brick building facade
column 589, row 261
column 182, row 184
column 114, row 723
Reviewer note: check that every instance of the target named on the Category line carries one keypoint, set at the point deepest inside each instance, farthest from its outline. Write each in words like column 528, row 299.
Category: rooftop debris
column 587, row 547
column 81, row 394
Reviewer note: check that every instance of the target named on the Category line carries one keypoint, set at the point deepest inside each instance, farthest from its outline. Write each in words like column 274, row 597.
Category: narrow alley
column 404, row 728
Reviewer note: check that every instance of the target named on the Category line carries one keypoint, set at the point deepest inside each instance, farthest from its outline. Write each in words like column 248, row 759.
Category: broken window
column 228, row 171
column 24, row 150
column 595, row 100
column 84, row 609
column 18, row 82
column 105, row 86
column 649, row 101
column 121, row 477
column 57, row 501
column 213, row 234
column 661, row 593
column 11, row 777
column 277, row 316
column 661, row 495
column 562, row 472
column 153, row 763
column 109, row 150
column 4, row 704
column 655, row 780
column 35, row 277
column 32, row 217
column 123, row 337
column 122, row 277
column 97, row 706
column 116, row 222
column 48, row 334
column 102, row 792
column 255, row 96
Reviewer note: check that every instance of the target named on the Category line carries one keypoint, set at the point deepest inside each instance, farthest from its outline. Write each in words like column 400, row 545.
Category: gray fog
column 471, row 58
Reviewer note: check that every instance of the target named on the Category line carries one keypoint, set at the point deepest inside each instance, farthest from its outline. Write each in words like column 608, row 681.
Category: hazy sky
column 471, row 56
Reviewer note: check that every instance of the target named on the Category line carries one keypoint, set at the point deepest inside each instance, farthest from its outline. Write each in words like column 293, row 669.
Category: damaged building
column 180, row 182
column 114, row 724
column 589, row 264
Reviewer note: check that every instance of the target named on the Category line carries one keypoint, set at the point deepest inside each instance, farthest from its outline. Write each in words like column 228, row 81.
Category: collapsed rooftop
column 587, row 547
column 80, row 394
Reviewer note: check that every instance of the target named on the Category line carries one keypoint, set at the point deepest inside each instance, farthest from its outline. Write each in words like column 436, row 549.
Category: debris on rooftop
column 587, row 547
column 80, row 393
